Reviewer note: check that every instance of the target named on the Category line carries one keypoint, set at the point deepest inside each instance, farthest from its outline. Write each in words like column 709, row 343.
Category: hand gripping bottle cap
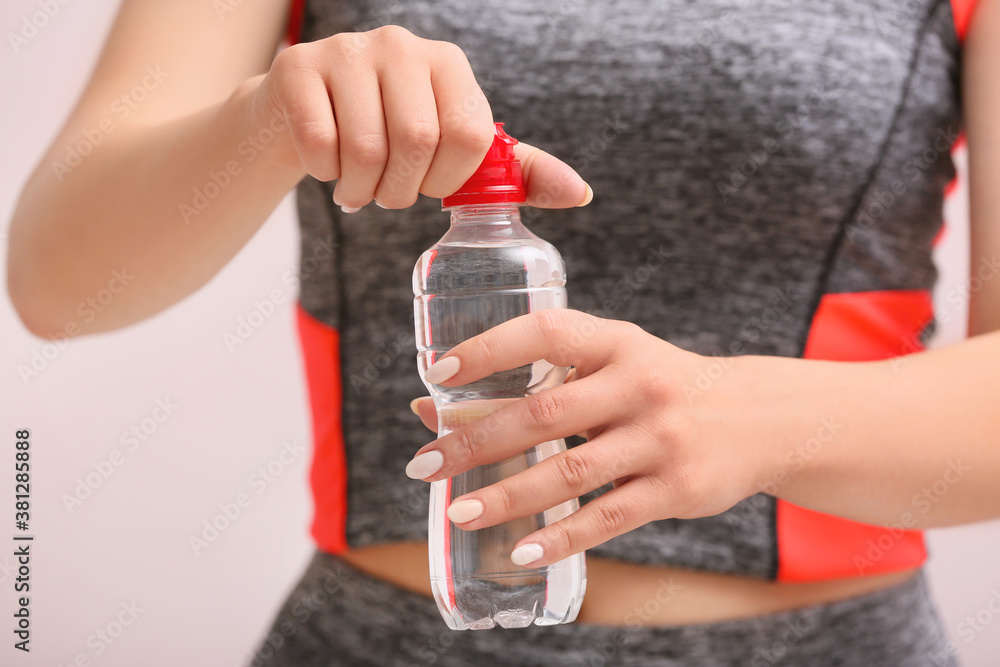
column 498, row 179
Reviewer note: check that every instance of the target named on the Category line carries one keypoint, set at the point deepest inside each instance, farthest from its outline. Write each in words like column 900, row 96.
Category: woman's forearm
column 150, row 215
column 912, row 441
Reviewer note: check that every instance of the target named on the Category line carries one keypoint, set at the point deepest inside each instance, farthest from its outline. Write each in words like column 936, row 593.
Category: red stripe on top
column 939, row 237
column 295, row 11
column 813, row 546
column 328, row 470
column 962, row 11
column 868, row 326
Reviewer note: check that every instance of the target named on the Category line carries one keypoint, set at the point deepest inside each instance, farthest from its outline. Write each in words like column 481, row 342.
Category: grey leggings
column 337, row 615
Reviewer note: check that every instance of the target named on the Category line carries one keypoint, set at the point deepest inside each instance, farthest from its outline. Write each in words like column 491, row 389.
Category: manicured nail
column 425, row 465
column 465, row 510
column 588, row 196
column 442, row 370
column 527, row 553
column 377, row 204
column 350, row 209
column 415, row 404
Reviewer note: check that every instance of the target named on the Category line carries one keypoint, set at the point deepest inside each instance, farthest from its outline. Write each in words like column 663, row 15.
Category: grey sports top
column 769, row 179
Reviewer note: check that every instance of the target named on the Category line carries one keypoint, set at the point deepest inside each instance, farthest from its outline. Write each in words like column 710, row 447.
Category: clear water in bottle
column 488, row 269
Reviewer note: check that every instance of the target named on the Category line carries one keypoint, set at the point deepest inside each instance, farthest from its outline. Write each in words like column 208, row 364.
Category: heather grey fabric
column 337, row 615
column 746, row 156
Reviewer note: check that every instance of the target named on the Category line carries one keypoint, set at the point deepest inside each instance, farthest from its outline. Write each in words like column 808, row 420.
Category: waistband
column 338, row 615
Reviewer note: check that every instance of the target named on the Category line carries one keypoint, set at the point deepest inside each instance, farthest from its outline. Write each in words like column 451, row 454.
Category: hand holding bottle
column 389, row 115
column 671, row 453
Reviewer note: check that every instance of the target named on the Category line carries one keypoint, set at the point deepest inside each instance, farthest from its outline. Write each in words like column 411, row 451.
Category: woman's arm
column 921, row 435
column 180, row 179
column 158, row 114
column 912, row 442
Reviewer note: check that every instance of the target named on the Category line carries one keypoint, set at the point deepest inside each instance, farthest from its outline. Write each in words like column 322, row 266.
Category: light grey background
column 237, row 412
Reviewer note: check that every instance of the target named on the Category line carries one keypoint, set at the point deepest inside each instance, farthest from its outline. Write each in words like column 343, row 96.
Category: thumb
column 550, row 182
column 423, row 407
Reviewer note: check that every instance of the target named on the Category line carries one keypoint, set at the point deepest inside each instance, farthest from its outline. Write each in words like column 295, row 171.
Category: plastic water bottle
column 488, row 268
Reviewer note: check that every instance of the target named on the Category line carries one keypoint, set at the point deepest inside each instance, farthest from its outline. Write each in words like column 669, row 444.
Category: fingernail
column 425, row 465
column 442, row 370
column 350, row 209
column 465, row 510
column 527, row 553
column 414, row 405
column 589, row 195
column 377, row 204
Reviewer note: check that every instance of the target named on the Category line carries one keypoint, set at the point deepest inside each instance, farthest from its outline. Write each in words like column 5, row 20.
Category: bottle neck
column 486, row 223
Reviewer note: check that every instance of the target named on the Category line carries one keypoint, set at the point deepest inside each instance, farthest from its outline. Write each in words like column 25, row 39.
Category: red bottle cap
column 498, row 179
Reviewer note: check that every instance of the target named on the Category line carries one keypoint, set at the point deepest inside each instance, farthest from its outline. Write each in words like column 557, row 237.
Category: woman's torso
column 751, row 161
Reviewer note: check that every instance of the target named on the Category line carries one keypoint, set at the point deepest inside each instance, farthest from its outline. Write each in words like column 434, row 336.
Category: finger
column 550, row 182
column 563, row 337
column 465, row 120
column 364, row 145
column 424, row 408
column 299, row 93
column 555, row 480
column 616, row 512
column 412, row 124
column 549, row 415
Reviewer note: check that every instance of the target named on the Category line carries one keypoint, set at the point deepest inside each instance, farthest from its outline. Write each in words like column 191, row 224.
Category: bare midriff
column 620, row 593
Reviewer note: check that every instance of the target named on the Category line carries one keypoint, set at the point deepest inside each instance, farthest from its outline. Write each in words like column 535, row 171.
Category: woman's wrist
column 262, row 131
column 796, row 420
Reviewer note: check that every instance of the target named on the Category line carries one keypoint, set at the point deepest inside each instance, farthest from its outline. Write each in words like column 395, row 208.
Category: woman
column 769, row 180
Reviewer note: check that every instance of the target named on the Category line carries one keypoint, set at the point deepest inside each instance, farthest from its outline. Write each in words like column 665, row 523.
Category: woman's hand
column 389, row 115
column 650, row 430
